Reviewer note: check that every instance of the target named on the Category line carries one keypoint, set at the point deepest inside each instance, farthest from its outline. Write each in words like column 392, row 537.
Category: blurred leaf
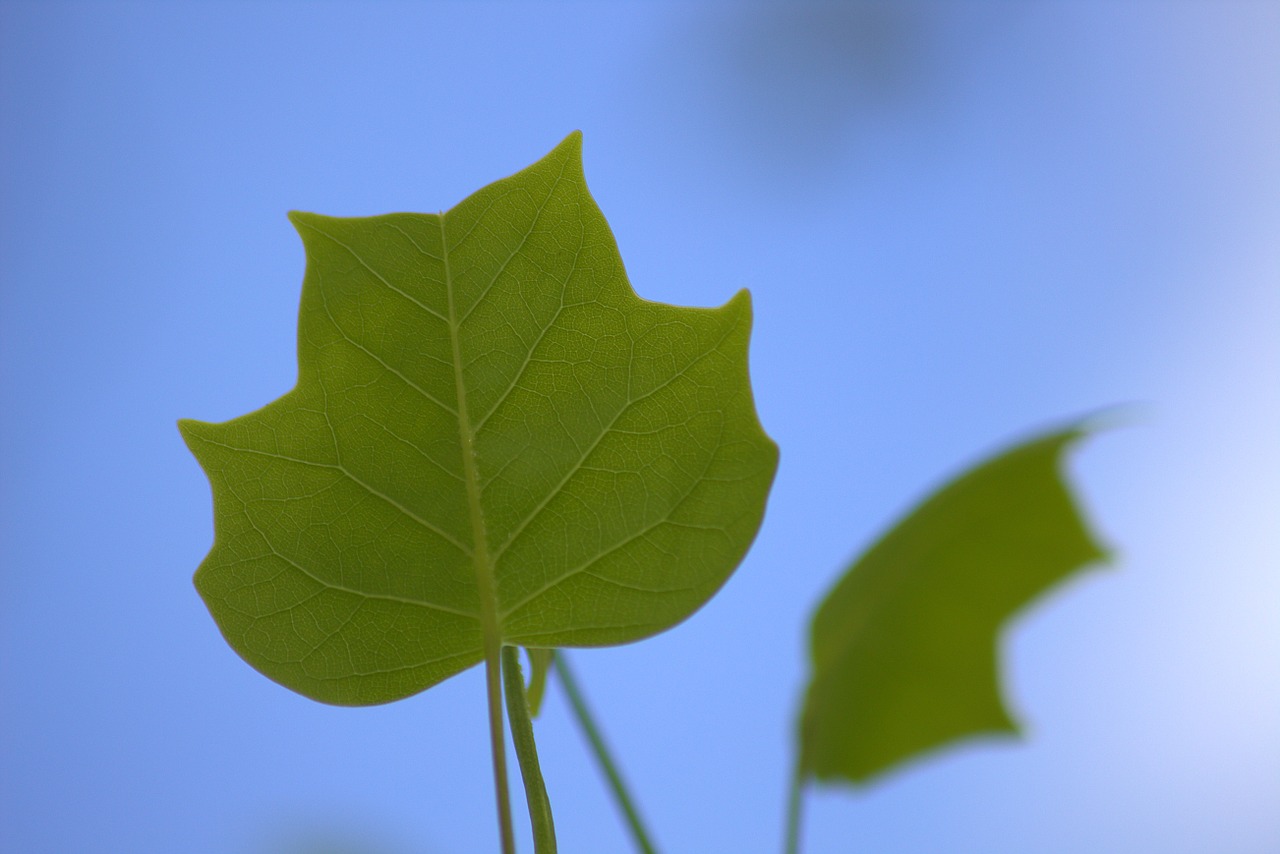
column 491, row 434
column 540, row 661
column 904, row 647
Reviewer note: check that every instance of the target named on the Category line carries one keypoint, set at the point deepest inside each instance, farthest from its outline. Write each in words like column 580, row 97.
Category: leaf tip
column 1099, row 420
column 738, row 308
column 304, row 219
column 569, row 149
column 1116, row 415
column 189, row 428
column 572, row 142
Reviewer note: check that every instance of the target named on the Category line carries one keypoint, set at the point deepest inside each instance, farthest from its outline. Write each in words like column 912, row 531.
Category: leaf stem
column 486, row 585
column 535, row 790
column 795, row 803
column 498, row 749
column 616, row 785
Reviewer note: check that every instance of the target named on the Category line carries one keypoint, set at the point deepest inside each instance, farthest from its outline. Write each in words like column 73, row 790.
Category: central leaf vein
column 481, row 561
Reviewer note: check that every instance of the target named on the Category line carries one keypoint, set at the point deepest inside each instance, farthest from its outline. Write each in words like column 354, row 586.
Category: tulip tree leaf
column 903, row 648
column 480, row 392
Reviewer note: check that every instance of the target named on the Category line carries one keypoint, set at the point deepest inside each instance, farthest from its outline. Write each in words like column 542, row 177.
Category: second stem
column 535, row 790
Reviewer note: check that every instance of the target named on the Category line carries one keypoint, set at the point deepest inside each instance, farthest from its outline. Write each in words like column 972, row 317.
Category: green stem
column 486, row 585
column 498, row 751
column 795, row 799
column 535, row 790
column 620, row 794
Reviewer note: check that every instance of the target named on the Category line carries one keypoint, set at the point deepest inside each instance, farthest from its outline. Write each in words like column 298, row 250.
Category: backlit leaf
column 480, row 392
column 904, row 648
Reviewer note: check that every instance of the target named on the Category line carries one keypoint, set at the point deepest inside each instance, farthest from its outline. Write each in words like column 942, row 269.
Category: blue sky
column 959, row 222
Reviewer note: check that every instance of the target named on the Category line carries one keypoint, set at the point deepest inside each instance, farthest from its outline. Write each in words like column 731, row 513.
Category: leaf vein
column 573, row 470
column 324, row 301
column 422, row 305
column 523, row 240
column 440, row 532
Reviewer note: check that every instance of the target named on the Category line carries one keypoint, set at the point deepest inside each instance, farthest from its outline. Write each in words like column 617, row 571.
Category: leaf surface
column 904, row 647
column 487, row 421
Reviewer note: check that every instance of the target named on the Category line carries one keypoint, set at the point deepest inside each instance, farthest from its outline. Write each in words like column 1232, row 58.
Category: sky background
column 959, row 222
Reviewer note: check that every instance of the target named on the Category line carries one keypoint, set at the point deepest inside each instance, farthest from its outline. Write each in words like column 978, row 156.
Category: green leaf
column 903, row 649
column 491, row 437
